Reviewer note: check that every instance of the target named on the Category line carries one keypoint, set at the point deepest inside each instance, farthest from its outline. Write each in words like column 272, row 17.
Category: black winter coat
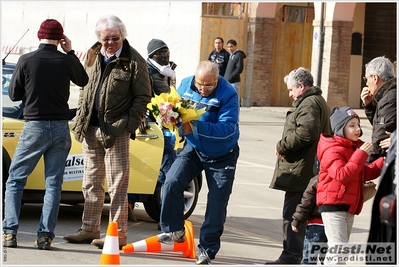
column 235, row 66
column 381, row 113
column 379, row 230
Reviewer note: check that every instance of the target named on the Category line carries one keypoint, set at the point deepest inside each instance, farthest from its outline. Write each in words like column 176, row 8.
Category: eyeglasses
column 206, row 87
column 113, row 39
column 365, row 78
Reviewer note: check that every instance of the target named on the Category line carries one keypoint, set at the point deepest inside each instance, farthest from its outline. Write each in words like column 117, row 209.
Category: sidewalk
column 359, row 111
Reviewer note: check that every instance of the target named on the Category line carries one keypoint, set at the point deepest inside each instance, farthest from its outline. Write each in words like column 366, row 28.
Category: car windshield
column 10, row 109
column 7, row 73
column 13, row 109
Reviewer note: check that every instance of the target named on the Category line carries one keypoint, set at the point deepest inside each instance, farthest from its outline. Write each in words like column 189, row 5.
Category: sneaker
column 9, row 240
column 202, row 257
column 171, row 237
column 43, row 242
column 99, row 242
column 82, row 236
column 130, row 213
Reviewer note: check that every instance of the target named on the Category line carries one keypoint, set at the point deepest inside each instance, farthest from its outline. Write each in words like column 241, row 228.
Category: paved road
column 252, row 232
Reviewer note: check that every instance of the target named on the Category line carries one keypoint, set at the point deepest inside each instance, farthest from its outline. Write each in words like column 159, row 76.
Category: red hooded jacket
column 343, row 172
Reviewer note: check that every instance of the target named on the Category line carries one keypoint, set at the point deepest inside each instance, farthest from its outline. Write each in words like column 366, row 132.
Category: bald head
column 206, row 77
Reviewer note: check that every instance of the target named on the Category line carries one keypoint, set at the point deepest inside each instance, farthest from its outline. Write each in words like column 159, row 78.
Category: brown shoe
column 131, row 215
column 100, row 242
column 82, row 236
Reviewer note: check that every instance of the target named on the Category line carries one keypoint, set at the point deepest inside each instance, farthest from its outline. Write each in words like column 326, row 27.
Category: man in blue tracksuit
column 212, row 146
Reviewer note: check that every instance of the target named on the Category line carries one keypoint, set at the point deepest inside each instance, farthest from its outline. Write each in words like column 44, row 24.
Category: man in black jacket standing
column 235, row 65
column 219, row 55
column 379, row 102
column 41, row 80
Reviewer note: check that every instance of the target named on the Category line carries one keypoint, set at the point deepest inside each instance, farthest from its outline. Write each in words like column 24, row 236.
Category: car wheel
column 153, row 204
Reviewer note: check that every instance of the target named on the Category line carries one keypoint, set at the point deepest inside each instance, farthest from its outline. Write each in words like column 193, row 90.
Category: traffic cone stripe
column 151, row 244
column 111, row 244
column 110, row 253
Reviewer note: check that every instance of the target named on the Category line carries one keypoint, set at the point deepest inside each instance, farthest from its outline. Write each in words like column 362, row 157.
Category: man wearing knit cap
column 162, row 77
column 154, row 45
column 50, row 29
column 161, row 70
column 44, row 94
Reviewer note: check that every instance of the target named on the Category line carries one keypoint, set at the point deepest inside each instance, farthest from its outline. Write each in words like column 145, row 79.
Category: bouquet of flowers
column 170, row 110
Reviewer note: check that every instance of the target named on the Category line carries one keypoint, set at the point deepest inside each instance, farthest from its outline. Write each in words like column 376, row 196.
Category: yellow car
column 145, row 160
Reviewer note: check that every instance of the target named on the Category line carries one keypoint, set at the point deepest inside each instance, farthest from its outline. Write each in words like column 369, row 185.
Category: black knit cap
column 154, row 45
column 339, row 117
column 50, row 29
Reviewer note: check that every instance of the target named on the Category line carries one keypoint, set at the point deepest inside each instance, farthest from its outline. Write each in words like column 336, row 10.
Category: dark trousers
column 219, row 174
column 293, row 242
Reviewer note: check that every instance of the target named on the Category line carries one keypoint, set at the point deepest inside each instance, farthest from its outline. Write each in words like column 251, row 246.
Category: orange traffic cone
column 151, row 244
column 110, row 254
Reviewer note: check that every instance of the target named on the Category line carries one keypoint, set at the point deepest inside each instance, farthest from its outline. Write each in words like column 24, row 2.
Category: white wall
column 178, row 24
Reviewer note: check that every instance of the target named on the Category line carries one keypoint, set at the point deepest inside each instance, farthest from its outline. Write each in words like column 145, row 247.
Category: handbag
column 369, row 190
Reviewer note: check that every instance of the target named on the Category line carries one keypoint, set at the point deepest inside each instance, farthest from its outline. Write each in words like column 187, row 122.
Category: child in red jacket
column 343, row 171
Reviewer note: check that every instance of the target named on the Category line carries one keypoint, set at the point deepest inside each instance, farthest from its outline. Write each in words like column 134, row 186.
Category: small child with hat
column 343, row 171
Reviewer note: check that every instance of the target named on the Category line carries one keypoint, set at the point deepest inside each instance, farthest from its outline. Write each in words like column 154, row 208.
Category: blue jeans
column 169, row 154
column 220, row 173
column 314, row 234
column 293, row 241
column 52, row 140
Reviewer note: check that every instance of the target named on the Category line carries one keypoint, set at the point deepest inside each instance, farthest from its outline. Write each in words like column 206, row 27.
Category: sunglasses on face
column 113, row 39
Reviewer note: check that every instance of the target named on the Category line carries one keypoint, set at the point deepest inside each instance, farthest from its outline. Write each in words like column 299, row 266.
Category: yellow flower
column 169, row 109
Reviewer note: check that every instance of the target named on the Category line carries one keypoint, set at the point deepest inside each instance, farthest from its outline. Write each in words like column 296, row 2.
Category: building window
column 357, row 41
column 294, row 14
column 223, row 9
